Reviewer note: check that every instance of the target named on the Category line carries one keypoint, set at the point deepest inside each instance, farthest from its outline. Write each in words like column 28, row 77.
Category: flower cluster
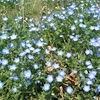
column 38, row 58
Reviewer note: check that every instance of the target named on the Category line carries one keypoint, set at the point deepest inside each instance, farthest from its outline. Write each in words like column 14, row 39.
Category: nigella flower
column 49, row 78
column 89, row 82
column 22, row 53
column 1, row 84
column 62, row 73
column 88, row 62
column 31, row 48
column 40, row 43
column 15, row 78
column 27, row 50
column 5, row 51
column 14, row 89
column 11, row 45
column 70, row 12
column 4, row 62
column 14, row 36
column 75, row 71
column 98, row 89
column 96, row 28
column 4, row 36
column 55, row 65
column 73, row 27
column 22, row 44
column 36, row 50
column 48, row 64
column 68, row 54
column 28, row 45
column 86, row 88
column 92, row 27
column 47, row 51
column 60, row 53
column 20, row 17
column 27, row 74
column 4, row 18
column 75, row 21
column 46, row 87
column 87, row 52
column 59, row 78
column 30, row 56
column 16, row 60
column 12, row 67
column 35, row 65
column 53, row 48
column 92, row 75
column 69, row 90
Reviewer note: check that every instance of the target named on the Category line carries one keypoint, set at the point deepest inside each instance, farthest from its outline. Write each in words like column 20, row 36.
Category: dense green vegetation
column 49, row 50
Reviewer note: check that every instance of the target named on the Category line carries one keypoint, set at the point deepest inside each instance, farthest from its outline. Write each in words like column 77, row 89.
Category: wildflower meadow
column 49, row 50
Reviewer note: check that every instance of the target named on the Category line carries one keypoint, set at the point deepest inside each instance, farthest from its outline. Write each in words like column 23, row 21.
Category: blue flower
column 1, row 85
column 12, row 67
column 14, row 36
column 73, row 27
column 55, row 65
column 46, row 87
column 68, row 54
column 87, row 52
column 62, row 73
column 49, row 78
column 35, row 65
column 48, row 64
column 5, row 51
column 16, row 60
column 59, row 78
column 14, row 89
column 4, row 37
column 69, row 90
column 86, row 88
column 60, row 53
column 30, row 56
column 27, row 74
column 4, row 62
column 4, row 18
column 97, row 89
column 92, row 74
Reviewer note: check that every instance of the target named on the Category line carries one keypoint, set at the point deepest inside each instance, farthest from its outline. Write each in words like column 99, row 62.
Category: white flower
column 86, row 88
column 69, row 90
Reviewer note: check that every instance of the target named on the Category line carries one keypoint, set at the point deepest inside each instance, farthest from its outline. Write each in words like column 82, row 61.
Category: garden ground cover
column 54, row 57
